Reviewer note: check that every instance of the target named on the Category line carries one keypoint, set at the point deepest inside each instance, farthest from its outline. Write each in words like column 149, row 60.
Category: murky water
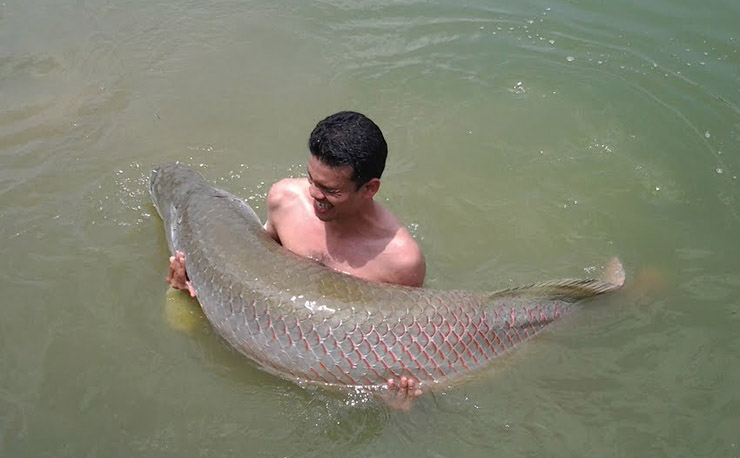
column 528, row 140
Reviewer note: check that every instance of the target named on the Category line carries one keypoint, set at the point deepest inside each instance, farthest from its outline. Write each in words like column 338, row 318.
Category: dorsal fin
column 568, row 289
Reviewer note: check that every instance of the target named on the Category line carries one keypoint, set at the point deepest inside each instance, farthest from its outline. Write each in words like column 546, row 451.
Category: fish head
column 169, row 184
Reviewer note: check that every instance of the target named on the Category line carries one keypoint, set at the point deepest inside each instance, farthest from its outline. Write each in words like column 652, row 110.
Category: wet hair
column 350, row 138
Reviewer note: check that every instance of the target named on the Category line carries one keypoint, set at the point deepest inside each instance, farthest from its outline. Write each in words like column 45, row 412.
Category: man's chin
column 324, row 214
column 326, row 217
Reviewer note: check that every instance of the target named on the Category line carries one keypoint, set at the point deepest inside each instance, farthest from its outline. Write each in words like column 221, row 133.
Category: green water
column 528, row 140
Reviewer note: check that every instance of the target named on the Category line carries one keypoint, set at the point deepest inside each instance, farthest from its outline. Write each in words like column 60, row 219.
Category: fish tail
column 570, row 290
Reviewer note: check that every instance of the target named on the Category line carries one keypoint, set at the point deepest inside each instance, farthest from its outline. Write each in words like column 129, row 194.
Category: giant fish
column 307, row 323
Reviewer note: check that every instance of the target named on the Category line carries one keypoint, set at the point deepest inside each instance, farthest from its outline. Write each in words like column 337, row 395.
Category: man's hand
column 177, row 277
column 401, row 394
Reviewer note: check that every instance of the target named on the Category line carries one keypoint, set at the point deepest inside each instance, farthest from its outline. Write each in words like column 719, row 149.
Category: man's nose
column 315, row 192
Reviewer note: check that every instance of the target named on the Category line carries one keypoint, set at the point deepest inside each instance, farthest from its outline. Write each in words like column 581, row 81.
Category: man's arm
column 270, row 228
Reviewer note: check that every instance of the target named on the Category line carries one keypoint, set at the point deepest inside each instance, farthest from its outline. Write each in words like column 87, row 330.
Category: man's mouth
column 322, row 205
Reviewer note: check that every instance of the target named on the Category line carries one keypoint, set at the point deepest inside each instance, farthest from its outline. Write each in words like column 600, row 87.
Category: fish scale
column 302, row 321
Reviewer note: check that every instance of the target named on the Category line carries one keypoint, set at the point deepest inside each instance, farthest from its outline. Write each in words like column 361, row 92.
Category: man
column 331, row 216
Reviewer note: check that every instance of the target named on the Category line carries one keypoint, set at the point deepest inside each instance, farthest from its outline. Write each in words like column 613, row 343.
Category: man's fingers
column 404, row 384
column 176, row 275
column 191, row 290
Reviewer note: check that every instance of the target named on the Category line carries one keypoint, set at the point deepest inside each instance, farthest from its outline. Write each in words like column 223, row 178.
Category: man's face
column 335, row 196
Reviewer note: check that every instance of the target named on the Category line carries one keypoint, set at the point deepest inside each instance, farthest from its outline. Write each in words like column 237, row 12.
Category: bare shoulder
column 404, row 259
column 285, row 191
column 407, row 262
column 284, row 200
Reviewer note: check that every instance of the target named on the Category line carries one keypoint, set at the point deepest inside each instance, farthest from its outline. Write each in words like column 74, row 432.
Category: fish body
column 305, row 322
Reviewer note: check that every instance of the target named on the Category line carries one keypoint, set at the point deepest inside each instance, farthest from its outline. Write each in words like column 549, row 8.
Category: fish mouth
column 152, row 184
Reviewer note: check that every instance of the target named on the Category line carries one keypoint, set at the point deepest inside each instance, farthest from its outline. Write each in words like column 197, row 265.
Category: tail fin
column 570, row 290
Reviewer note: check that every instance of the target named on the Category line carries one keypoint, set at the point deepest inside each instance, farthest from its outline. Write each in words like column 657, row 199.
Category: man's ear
column 371, row 187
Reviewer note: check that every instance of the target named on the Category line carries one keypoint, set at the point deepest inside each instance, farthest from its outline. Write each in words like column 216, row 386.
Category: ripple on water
column 125, row 202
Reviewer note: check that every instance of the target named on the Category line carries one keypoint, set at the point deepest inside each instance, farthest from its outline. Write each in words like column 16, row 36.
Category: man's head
column 350, row 138
column 348, row 155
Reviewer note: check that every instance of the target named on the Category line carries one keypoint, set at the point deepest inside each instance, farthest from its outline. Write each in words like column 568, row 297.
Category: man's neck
column 364, row 222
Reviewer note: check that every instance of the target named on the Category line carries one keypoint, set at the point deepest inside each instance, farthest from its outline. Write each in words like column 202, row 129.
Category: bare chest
column 361, row 258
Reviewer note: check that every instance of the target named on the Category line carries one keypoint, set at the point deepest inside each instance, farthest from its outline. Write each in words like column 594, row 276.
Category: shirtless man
column 331, row 216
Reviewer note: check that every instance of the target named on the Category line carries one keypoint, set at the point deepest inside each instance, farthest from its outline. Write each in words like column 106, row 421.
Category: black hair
column 350, row 138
